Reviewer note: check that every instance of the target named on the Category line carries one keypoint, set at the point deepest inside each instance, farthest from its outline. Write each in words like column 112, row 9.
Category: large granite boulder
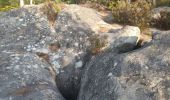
column 80, row 36
column 156, row 12
column 25, row 77
column 142, row 74
column 23, row 74
column 124, row 39
column 42, row 59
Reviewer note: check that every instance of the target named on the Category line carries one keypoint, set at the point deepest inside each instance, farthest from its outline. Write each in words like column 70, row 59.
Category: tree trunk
column 154, row 2
column 30, row 2
column 21, row 3
column 128, row 1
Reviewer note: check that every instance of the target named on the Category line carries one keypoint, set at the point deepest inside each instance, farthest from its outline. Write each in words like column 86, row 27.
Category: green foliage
column 6, row 5
column 6, row 8
column 163, row 3
column 136, row 13
column 69, row 1
column 4, row 2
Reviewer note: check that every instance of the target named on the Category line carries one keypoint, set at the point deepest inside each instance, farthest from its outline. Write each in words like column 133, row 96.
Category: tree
column 154, row 2
column 30, row 2
column 21, row 3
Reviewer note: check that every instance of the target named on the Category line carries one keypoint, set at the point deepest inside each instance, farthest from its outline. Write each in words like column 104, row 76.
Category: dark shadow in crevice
column 69, row 81
column 138, row 47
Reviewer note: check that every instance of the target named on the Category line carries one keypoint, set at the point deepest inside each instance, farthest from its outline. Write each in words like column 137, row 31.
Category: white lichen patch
column 42, row 50
column 115, row 64
column 78, row 64
column 76, row 44
column 110, row 74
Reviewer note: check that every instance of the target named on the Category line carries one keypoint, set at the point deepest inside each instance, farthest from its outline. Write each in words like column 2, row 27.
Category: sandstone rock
column 75, row 26
column 156, row 12
column 23, row 74
column 35, row 57
column 124, row 39
column 139, row 75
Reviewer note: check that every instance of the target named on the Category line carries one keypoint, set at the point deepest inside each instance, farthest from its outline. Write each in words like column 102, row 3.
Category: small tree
column 31, row 2
column 21, row 3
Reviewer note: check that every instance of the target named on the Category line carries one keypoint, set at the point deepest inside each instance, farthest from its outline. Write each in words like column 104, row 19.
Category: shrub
column 135, row 13
column 51, row 10
column 163, row 3
column 6, row 5
column 6, row 8
column 98, row 43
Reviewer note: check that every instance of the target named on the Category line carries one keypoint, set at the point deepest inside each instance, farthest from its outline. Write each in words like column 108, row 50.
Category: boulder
column 27, row 40
column 143, row 74
column 156, row 12
column 85, row 17
column 78, row 31
column 25, row 75
column 125, row 39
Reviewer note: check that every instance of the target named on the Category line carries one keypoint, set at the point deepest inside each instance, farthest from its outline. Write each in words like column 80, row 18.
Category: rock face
column 78, row 31
column 140, row 75
column 64, row 48
column 24, row 77
column 43, row 62
column 125, row 40
column 23, row 74
column 156, row 12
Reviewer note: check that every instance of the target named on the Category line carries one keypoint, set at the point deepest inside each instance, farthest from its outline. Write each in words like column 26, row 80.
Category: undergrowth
column 51, row 10
column 135, row 13
column 7, row 8
column 97, row 43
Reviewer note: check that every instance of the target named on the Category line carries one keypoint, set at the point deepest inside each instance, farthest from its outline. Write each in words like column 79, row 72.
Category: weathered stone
column 156, row 12
column 23, row 74
column 143, row 74
column 123, row 40
column 35, row 57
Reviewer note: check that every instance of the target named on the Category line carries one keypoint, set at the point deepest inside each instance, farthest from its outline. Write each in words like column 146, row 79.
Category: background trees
column 9, row 4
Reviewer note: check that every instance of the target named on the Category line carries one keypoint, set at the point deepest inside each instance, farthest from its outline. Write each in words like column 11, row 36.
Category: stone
column 47, row 63
column 156, row 12
column 75, row 25
column 24, row 76
column 130, row 79
column 127, row 39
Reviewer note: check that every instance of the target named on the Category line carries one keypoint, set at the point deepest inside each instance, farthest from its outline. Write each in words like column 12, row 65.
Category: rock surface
column 156, row 12
column 44, row 62
column 143, row 74
column 23, row 74
column 125, row 40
